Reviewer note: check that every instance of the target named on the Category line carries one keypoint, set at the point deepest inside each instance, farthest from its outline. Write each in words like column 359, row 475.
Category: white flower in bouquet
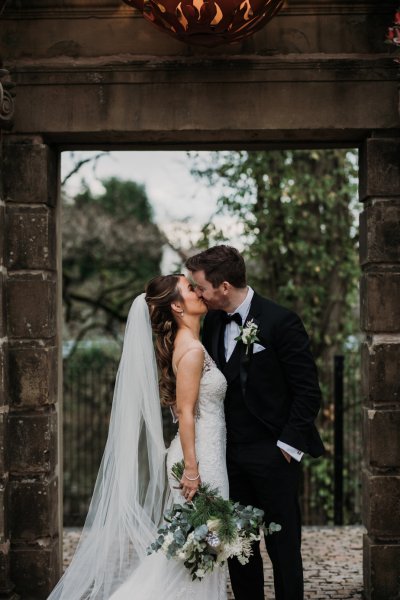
column 205, row 532
column 169, row 538
column 200, row 573
column 213, row 524
column 246, row 550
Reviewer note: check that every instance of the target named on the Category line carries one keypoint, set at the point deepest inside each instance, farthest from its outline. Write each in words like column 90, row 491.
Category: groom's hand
column 286, row 455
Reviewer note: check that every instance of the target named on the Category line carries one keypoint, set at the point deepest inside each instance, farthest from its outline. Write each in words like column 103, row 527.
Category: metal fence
column 331, row 485
column 330, row 490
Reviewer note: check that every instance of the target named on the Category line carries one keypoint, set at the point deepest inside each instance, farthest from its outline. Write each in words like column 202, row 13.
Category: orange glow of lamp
column 208, row 23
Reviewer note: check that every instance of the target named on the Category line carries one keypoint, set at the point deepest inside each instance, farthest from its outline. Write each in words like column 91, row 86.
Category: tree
column 111, row 247
column 295, row 213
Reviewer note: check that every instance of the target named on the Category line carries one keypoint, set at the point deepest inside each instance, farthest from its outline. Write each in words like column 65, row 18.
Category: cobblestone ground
column 332, row 558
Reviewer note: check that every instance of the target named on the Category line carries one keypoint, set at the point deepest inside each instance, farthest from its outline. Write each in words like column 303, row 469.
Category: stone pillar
column 30, row 192
column 380, row 320
column 6, row 585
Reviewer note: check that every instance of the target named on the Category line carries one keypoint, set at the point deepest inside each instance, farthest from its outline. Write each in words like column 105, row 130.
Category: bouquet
column 207, row 531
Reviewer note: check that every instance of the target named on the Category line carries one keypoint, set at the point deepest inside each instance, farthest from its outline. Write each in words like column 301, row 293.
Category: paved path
column 332, row 559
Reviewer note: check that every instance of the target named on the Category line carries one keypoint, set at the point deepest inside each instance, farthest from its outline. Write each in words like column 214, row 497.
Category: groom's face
column 214, row 298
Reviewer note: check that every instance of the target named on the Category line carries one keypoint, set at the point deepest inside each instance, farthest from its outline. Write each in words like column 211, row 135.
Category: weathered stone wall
column 30, row 192
column 94, row 74
column 380, row 319
column 47, row 29
column 6, row 586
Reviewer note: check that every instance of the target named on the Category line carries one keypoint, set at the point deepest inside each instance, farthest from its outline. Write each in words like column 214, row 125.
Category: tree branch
column 98, row 304
column 80, row 164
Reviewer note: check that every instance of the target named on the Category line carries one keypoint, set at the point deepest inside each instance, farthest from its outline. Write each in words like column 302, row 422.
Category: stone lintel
column 213, row 111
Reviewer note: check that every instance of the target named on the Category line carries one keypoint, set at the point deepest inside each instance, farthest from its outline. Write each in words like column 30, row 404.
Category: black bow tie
column 228, row 318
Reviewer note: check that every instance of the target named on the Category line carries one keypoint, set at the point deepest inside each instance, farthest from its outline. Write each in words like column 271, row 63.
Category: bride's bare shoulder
column 189, row 351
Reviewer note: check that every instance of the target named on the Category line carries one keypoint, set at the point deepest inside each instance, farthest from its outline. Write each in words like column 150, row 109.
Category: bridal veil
column 129, row 495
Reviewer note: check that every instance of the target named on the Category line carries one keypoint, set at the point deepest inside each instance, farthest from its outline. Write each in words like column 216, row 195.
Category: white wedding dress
column 167, row 579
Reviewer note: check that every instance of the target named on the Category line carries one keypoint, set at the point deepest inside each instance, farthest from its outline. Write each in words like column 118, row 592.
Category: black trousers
column 260, row 475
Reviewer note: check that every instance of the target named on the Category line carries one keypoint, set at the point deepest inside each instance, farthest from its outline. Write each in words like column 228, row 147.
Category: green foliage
column 121, row 199
column 208, row 530
column 322, row 480
column 209, row 505
column 111, row 248
column 295, row 214
column 88, row 382
column 95, row 357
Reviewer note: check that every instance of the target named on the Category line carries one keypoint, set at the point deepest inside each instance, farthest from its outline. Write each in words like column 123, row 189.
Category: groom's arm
column 300, row 371
column 292, row 452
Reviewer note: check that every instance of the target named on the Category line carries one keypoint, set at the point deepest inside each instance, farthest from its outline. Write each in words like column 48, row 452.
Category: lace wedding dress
column 167, row 579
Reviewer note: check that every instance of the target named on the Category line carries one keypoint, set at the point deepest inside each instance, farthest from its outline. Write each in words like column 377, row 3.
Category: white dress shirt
column 232, row 331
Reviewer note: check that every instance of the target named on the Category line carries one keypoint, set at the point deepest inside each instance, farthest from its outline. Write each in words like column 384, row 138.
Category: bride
column 131, row 491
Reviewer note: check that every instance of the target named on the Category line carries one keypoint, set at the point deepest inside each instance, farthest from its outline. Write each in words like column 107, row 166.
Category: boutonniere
column 248, row 334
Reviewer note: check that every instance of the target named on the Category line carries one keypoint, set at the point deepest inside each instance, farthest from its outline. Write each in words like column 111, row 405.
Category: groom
column 272, row 400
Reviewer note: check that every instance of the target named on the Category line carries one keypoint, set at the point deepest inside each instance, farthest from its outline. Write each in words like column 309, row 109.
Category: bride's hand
column 190, row 483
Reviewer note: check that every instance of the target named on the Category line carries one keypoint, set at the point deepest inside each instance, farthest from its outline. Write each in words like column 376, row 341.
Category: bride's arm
column 187, row 390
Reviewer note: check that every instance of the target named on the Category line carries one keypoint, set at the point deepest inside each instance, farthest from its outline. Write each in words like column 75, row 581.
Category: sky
column 172, row 190
column 181, row 203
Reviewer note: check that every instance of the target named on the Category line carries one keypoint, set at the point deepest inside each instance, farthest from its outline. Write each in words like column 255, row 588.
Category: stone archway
column 114, row 82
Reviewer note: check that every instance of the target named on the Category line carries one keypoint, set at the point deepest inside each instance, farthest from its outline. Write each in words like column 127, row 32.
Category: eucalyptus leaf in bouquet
column 207, row 531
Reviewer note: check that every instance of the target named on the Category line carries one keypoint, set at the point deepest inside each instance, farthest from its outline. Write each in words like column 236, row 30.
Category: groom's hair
column 220, row 263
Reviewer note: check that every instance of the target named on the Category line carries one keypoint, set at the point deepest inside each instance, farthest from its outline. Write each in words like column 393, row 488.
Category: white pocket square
column 257, row 348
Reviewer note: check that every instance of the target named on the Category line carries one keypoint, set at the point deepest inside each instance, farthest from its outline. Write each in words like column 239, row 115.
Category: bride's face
column 214, row 298
column 192, row 303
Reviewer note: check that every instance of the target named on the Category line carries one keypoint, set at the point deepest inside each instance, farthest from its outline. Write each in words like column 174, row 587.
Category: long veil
column 130, row 492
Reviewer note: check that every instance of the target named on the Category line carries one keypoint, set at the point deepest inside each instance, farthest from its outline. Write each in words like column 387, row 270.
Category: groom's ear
column 226, row 287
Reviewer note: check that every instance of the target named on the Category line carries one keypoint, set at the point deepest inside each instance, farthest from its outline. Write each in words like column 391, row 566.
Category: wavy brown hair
column 160, row 293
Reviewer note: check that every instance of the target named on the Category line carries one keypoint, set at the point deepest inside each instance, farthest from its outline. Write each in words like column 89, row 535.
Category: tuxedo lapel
column 255, row 308
column 241, row 359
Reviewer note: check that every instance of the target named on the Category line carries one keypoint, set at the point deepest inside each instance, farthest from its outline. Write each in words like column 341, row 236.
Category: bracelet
column 191, row 478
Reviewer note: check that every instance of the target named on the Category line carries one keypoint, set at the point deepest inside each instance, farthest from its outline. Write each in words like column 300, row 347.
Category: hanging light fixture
column 208, row 22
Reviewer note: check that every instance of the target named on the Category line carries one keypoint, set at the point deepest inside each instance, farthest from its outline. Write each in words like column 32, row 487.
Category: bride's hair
column 160, row 293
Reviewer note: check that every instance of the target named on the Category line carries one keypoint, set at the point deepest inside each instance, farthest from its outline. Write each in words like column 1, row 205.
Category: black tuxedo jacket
column 279, row 384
